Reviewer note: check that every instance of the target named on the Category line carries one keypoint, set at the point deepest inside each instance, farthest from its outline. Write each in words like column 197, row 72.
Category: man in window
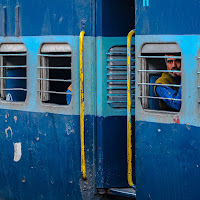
column 170, row 92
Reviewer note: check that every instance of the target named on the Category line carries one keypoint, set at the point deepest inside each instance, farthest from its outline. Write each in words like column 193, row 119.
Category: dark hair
column 174, row 54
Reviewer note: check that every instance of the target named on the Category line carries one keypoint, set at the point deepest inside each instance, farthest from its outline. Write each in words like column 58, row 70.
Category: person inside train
column 170, row 92
column 69, row 95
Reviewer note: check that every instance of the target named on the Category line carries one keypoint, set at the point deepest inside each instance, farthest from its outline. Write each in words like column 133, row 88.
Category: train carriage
column 62, row 143
column 42, row 146
column 167, row 142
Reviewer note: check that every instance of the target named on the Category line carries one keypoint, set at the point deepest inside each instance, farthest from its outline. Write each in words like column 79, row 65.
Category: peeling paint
column 17, row 151
column 69, row 130
column 9, row 133
column 176, row 120
column 6, row 118
column 60, row 20
column 15, row 118
column 188, row 126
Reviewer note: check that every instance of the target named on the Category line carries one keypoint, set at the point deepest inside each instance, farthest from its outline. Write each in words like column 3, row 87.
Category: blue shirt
column 68, row 97
column 167, row 92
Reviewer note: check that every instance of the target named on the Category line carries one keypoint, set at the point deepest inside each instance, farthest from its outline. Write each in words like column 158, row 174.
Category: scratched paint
column 9, row 133
column 17, row 151
column 69, row 129
column 15, row 118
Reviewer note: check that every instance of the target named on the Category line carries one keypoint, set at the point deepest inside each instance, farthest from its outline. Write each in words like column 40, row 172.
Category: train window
column 160, row 77
column 55, row 74
column 117, row 77
column 13, row 72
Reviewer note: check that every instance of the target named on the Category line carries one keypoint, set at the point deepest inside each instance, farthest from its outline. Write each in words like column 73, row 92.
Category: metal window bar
column 3, row 71
column 177, row 57
column 15, row 78
column 2, row 86
column 12, row 54
column 45, row 80
column 119, row 60
column 144, row 77
column 14, row 89
column 151, row 97
column 154, row 84
column 114, row 66
column 55, row 55
column 175, row 71
column 53, row 92
column 118, row 53
column 54, row 67
column 16, row 66
column 59, row 80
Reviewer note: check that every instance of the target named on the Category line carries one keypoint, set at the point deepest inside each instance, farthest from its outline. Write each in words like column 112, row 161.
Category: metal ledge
column 125, row 192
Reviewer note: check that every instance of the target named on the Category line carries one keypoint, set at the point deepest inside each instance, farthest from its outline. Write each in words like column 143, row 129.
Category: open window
column 55, row 73
column 13, row 72
column 117, row 77
column 155, row 92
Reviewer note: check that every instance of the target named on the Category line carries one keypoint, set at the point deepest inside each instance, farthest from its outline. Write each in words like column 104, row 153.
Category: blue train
column 83, row 149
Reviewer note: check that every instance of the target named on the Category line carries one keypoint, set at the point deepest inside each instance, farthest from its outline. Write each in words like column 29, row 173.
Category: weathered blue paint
column 178, row 17
column 50, row 164
column 68, row 17
column 167, row 161
column 112, row 152
column 167, row 153
column 47, row 18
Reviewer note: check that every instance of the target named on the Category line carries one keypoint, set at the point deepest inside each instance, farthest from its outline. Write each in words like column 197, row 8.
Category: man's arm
column 167, row 92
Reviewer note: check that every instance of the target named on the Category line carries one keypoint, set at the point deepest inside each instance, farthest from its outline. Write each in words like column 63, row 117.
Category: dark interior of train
column 61, row 74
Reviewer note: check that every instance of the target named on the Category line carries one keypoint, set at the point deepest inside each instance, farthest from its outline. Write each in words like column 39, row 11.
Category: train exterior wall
column 167, row 144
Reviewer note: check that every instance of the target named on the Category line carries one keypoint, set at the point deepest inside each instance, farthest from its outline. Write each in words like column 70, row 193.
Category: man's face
column 173, row 64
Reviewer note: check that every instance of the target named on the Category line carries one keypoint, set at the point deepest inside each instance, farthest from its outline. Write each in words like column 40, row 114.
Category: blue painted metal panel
column 114, row 17
column 112, row 152
column 68, row 17
column 167, row 161
column 49, row 167
column 49, row 18
column 103, row 45
column 167, row 17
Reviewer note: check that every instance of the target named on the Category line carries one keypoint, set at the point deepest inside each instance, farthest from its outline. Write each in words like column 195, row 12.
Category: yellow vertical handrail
column 82, row 134
column 129, row 130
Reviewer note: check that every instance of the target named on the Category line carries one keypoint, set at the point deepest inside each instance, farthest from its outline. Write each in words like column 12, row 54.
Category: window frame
column 163, row 49
column 67, row 67
column 12, row 50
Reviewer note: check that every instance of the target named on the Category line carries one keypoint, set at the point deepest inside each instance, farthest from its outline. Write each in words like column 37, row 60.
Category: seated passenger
column 69, row 96
column 170, row 91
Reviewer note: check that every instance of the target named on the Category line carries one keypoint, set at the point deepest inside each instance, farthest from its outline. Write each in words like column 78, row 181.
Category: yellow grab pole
column 129, row 130
column 83, row 167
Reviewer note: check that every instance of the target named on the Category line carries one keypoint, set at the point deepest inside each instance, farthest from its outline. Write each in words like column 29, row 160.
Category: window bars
column 13, row 75
column 117, row 77
column 148, row 74
column 54, row 76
